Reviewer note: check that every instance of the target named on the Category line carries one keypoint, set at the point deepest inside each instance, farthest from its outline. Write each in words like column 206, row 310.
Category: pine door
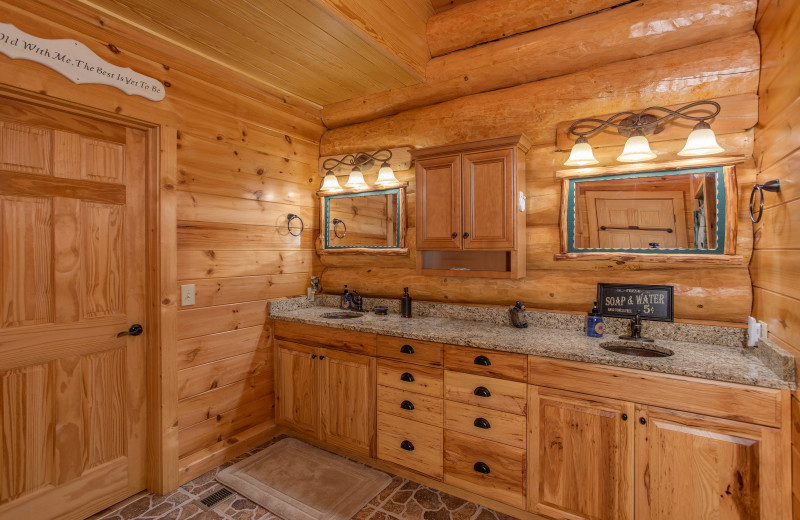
column 72, row 258
column 297, row 399
column 489, row 193
column 439, row 203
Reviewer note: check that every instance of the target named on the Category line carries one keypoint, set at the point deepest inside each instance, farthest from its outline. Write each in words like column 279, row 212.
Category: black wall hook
column 291, row 217
column 774, row 186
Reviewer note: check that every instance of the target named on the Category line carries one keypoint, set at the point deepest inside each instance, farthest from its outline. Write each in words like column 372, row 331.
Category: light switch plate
column 187, row 294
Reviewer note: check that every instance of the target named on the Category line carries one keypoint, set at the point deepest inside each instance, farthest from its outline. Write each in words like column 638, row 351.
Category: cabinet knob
column 407, row 445
column 482, row 391
column 313, row 356
column 466, row 235
column 642, row 420
column 482, row 467
column 407, row 405
column 453, row 234
column 483, row 361
column 407, row 349
column 321, row 358
column 624, row 417
column 407, row 377
column 480, row 422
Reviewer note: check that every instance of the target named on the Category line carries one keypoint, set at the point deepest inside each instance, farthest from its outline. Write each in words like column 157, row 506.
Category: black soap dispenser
column 405, row 304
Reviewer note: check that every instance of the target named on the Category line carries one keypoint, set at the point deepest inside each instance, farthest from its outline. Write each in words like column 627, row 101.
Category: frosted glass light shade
column 385, row 175
column 637, row 149
column 701, row 141
column 356, row 179
column 330, row 182
column 581, row 154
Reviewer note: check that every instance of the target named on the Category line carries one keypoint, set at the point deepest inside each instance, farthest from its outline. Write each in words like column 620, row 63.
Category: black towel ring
column 292, row 216
column 336, row 221
column 773, row 186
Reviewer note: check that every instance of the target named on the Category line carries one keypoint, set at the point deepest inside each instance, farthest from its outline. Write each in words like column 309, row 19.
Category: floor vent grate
column 216, row 497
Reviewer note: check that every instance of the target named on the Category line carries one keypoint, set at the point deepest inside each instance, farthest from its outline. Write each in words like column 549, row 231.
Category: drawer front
column 413, row 378
column 410, row 351
column 483, row 362
column 493, row 425
column 410, row 405
column 487, row 468
column 411, row 444
column 317, row 335
column 487, row 392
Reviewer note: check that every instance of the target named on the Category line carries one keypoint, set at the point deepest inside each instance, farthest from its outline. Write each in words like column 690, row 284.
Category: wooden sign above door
column 76, row 62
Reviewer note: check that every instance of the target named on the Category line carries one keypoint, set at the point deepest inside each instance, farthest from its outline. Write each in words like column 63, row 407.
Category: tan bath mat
column 297, row 481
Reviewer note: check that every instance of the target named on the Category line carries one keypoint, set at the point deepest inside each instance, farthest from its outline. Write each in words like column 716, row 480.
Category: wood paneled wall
column 245, row 159
column 727, row 65
column 775, row 267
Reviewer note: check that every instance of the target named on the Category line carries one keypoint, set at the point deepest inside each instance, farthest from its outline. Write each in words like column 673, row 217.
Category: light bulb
column 637, row 149
column 356, row 179
column 701, row 141
column 581, row 154
column 330, row 182
column 386, row 175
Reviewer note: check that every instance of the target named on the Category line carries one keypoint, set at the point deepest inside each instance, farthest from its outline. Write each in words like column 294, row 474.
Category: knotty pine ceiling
column 320, row 50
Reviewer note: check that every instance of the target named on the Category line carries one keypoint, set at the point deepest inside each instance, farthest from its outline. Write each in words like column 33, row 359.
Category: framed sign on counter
column 652, row 302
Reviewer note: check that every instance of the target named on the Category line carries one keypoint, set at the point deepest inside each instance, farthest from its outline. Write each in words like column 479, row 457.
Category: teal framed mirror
column 676, row 212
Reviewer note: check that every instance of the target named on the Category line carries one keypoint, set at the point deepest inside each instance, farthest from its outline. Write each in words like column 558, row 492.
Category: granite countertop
column 716, row 362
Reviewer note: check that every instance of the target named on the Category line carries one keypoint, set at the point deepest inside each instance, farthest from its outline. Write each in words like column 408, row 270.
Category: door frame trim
column 161, row 275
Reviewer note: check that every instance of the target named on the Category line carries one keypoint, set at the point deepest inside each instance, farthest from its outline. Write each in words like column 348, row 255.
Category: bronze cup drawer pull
column 483, row 361
column 482, row 391
column 407, row 377
column 407, row 349
column 480, row 422
column 407, row 445
column 482, row 467
column 407, row 405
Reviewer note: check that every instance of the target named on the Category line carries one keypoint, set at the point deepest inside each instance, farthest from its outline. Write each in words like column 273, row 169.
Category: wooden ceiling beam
column 624, row 33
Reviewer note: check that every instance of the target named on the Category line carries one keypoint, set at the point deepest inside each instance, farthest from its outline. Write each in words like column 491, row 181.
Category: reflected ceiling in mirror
column 676, row 212
column 366, row 220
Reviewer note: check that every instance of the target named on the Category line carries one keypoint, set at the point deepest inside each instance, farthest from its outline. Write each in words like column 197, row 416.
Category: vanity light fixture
column 330, row 182
column 357, row 161
column 635, row 126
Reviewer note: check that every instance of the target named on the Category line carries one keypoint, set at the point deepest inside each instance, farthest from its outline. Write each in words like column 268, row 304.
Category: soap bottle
column 347, row 299
column 405, row 304
column 594, row 323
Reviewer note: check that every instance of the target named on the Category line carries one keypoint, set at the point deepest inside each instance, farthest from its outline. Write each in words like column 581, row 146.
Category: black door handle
column 481, row 467
column 407, row 405
column 483, row 361
column 407, row 349
column 408, row 378
column 406, row 445
column 480, row 422
column 135, row 330
column 482, row 391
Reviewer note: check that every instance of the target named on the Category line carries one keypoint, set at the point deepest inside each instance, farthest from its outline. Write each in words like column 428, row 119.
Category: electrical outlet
column 763, row 330
column 187, row 294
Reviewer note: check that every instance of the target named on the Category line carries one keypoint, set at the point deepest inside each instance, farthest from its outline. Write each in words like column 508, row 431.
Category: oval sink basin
column 634, row 349
column 344, row 315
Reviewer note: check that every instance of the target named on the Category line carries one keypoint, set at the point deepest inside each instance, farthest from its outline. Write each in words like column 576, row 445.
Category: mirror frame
column 323, row 244
column 727, row 220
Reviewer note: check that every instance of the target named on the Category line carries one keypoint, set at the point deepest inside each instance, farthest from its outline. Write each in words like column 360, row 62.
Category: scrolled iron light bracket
column 360, row 159
column 644, row 121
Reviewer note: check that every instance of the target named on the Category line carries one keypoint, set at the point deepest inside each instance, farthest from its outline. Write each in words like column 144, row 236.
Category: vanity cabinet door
column 581, row 456
column 348, row 401
column 695, row 467
column 439, row 203
column 489, row 193
column 296, row 394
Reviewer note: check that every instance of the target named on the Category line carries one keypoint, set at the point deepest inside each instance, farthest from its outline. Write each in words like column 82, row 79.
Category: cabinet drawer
column 414, row 378
column 317, row 335
column 488, row 392
column 410, row 351
column 493, row 425
column 417, row 407
column 491, row 363
column 487, row 468
column 411, row 444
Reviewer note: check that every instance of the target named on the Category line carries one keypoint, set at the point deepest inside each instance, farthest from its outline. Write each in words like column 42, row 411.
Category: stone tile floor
column 402, row 499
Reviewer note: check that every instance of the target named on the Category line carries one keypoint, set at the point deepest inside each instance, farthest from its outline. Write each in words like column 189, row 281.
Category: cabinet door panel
column 439, row 203
column 296, row 396
column 694, row 467
column 581, row 455
column 489, row 191
column 347, row 389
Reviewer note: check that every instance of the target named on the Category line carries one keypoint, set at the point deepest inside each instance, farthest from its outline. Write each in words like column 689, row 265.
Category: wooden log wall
column 724, row 67
column 245, row 159
column 775, row 267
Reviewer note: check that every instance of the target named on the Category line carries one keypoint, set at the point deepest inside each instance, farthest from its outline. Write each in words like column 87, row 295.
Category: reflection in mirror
column 678, row 211
column 363, row 220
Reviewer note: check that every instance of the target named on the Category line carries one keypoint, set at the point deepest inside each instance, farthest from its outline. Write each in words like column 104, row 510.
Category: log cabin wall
column 775, row 267
column 652, row 52
column 245, row 159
